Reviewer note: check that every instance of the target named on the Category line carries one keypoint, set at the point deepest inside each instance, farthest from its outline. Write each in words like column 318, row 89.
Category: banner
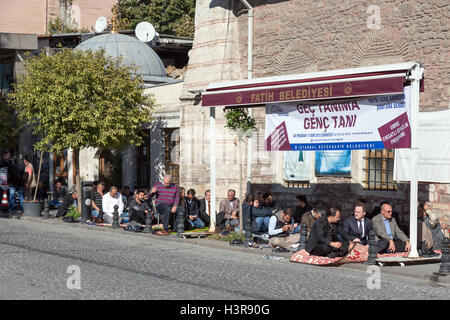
column 434, row 150
column 379, row 122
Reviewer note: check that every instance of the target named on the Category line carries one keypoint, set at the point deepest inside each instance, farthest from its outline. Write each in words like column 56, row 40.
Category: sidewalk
column 422, row 272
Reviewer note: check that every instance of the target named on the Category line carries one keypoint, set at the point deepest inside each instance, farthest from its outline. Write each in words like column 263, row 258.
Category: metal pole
column 212, row 166
column 249, row 76
column 416, row 76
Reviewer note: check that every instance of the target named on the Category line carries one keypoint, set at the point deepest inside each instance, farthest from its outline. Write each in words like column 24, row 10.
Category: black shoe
column 432, row 254
column 332, row 255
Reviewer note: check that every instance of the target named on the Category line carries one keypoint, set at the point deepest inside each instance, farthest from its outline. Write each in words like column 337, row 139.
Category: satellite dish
column 145, row 31
column 100, row 24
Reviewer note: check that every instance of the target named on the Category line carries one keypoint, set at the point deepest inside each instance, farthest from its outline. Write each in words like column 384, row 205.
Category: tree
column 242, row 125
column 174, row 17
column 79, row 99
column 9, row 126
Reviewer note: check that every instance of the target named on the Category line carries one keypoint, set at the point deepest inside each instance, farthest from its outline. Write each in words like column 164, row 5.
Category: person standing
column 16, row 182
column 30, row 183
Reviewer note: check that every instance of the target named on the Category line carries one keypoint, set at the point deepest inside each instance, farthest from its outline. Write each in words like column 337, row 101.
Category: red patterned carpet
column 358, row 254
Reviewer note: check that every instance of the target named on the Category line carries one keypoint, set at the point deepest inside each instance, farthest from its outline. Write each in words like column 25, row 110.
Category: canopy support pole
column 415, row 77
column 212, row 166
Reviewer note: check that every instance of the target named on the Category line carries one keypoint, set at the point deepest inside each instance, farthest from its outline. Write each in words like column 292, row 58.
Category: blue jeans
column 55, row 203
column 296, row 229
column 12, row 194
column 197, row 223
column 262, row 223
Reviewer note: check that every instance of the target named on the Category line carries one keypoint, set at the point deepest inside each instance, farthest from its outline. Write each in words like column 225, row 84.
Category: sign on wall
column 378, row 122
column 333, row 163
column 434, row 150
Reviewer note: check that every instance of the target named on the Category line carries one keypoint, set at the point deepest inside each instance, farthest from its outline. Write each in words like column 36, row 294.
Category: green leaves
column 174, row 17
column 79, row 99
column 240, row 122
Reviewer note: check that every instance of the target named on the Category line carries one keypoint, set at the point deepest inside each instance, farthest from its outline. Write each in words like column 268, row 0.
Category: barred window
column 379, row 170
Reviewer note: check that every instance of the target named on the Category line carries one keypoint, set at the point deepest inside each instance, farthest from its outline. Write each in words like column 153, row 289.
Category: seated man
column 205, row 208
column 96, row 201
column 389, row 236
column 429, row 231
column 228, row 215
column 60, row 193
column 281, row 225
column 192, row 211
column 310, row 217
column 267, row 201
column 69, row 200
column 302, row 208
column 358, row 226
column 109, row 200
column 138, row 208
column 327, row 236
column 167, row 200
column 260, row 216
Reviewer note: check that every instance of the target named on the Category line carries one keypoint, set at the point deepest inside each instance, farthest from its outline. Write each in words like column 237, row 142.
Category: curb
column 216, row 244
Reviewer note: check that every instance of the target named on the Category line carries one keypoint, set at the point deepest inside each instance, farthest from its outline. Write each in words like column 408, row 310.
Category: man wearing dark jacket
column 327, row 237
column 192, row 211
column 205, row 209
column 138, row 208
column 16, row 182
column 261, row 217
column 68, row 200
column 358, row 226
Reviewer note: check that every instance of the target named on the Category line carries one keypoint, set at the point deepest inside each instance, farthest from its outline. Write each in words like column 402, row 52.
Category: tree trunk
column 78, row 177
column 39, row 176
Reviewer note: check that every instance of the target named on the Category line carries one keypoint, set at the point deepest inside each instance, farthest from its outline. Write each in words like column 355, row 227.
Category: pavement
column 124, row 265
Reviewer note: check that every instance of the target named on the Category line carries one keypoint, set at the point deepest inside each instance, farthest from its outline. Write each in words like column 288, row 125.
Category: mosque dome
column 134, row 52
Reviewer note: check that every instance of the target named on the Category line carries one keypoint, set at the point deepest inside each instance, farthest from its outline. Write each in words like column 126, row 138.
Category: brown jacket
column 309, row 220
column 225, row 207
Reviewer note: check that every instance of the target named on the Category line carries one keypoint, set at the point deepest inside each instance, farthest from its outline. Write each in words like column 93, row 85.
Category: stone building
column 294, row 37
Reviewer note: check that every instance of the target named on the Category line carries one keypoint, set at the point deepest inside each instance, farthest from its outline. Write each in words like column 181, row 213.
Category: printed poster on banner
column 377, row 122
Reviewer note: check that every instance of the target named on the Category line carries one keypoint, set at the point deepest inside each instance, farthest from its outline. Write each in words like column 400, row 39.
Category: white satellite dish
column 101, row 24
column 145, row 31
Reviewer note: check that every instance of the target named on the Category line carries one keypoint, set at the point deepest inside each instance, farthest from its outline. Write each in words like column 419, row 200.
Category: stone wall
column 299, row 36
column 305, row 36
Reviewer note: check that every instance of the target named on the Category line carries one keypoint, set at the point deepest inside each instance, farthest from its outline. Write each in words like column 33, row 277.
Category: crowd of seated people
column 328, row 233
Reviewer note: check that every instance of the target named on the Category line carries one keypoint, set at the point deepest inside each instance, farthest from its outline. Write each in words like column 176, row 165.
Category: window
column 379, row 169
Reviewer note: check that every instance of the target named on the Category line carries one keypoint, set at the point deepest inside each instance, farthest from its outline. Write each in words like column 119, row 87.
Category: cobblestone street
column 119, row 265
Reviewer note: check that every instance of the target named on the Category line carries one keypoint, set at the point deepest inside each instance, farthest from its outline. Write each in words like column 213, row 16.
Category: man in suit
column 228, row 215
column 205, row 208
column 389, row 236
column 327, row 236
column 358, row 226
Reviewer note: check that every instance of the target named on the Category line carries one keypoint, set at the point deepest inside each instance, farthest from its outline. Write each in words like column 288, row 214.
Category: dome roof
column 133, row 51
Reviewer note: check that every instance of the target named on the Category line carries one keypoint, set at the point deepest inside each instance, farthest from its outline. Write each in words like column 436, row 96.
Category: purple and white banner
column 378, row 122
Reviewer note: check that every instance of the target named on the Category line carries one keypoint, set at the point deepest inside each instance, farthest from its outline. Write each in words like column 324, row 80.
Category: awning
column 325, row 85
